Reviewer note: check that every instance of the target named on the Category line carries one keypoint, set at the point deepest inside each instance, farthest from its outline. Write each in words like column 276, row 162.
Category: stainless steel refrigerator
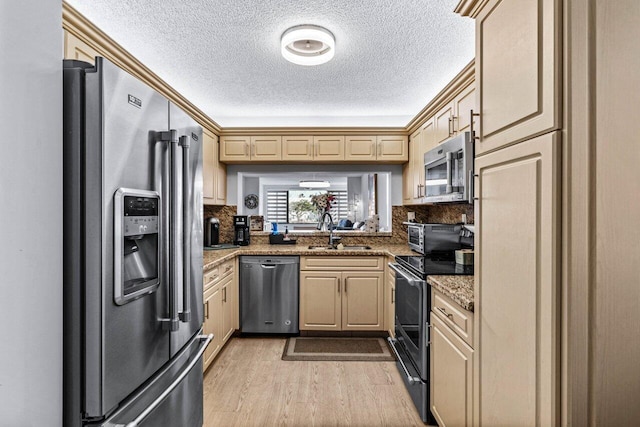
column 133, row 342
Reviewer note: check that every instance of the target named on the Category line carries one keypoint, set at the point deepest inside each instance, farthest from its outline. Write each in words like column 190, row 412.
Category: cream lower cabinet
column 220, row 307
column 390, row 300
column 451, row 362
column 342, row 300
column 517, row 293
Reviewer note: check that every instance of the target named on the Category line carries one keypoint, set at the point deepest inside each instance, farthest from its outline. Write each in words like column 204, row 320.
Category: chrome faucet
column 332, row 239
column 323, row 218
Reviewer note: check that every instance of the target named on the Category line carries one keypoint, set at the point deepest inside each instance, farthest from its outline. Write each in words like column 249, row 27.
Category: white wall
column 31, row 213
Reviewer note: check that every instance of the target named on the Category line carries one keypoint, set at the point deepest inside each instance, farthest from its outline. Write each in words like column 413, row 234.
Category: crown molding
column 312, row 131
column 470, row 8
column 75, row 23
column 446, row 95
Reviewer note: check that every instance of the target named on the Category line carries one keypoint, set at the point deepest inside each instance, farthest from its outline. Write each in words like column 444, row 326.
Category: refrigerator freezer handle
column 185, row 315
column 167, row 214
column 206, row 339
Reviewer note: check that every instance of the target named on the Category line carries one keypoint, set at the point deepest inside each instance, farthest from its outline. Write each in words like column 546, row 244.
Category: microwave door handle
column 449, row 172
column 185, row 315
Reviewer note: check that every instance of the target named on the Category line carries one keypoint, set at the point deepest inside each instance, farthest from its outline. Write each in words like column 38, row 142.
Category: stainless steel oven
column 448, row 171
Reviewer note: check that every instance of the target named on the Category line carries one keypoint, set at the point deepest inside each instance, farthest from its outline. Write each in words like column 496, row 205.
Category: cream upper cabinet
column 463, row 104
column 392, row 148
column 214, row 174
column 266, row 148
column 297, row 148
column 328, row 148
column 235, row 148
column 209, row 146
column 407, row 182
column 444, row 123
column 381, row 148
column 74, row 48
column 417, row 166
column 518, row 71
column 517, row 284
column 220, row 181
column 361, row 148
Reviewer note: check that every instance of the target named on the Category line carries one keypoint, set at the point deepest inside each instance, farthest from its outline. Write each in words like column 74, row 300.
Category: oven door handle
column 410, row 379
column 406, row 275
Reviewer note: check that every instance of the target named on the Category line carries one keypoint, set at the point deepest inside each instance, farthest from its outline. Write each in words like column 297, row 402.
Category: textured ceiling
column 392, row 56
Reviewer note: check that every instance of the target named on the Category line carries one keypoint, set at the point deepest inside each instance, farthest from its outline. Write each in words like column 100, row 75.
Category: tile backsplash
column 446, row 214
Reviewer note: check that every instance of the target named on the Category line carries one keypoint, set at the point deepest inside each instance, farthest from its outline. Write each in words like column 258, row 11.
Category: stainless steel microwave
column 448, row 171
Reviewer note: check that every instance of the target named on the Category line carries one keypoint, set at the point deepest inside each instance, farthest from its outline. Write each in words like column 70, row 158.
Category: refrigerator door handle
column 168, row 225
column 185, row 315
column 206, row 339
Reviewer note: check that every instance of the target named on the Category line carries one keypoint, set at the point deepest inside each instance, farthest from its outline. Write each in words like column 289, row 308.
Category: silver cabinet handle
column 427, row 334
column 246, row 150
column 206, row 310
column 410, row 379
column 224, row 294
column 345, row 285
column 338, row 285
column 185, row 315
column 379, row 149
column 206, row 339
column 471, row 116
column 450, row 127
column 443, row 311
column 393, row 296
column 470, row 186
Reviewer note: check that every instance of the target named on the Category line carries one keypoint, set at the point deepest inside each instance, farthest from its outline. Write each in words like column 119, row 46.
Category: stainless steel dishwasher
column 269, row 294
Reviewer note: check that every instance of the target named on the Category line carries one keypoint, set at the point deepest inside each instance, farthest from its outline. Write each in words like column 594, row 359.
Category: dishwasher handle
column 268, row 266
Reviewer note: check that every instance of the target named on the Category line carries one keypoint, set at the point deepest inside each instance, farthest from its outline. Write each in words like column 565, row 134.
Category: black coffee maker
column 241, row 230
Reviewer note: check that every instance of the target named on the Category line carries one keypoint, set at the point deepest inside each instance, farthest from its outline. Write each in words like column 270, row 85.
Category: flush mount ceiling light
column 307, row 45
column 314, row 184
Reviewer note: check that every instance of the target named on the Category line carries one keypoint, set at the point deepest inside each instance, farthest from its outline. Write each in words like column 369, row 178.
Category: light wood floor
column 248, row 385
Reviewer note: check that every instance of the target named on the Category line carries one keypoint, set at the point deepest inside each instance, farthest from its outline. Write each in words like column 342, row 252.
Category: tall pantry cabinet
column 517, row 208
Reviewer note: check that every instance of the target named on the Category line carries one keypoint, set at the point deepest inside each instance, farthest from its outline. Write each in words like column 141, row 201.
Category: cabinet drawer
column 454, row 316
column 210, row 277
column 214, row 275
column 341, row 263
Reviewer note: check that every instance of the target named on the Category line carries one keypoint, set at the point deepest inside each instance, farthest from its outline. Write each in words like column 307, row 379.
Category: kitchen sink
column 345, row 248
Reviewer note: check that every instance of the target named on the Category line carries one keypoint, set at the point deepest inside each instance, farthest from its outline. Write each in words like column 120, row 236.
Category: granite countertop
column 458, row 288
column 213, row 258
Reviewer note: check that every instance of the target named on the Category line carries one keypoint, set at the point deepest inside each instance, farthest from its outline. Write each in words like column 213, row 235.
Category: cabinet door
column 363, row 301
column 451, row 377
column 228, row 300
column 220, row 180
column 464, row 103
column 235, row 149
column 392, row 148
column 297, row 148
column 517, row 70
column 74, row 48
column 517, row 292
column 328, row 148
column 416, row 166
column 266, row 148
column 390, row 301
column 407, row 180
column 443, row 123
column 360, row 148
column 212, row 317
column 320, row 300
column 209, row 146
